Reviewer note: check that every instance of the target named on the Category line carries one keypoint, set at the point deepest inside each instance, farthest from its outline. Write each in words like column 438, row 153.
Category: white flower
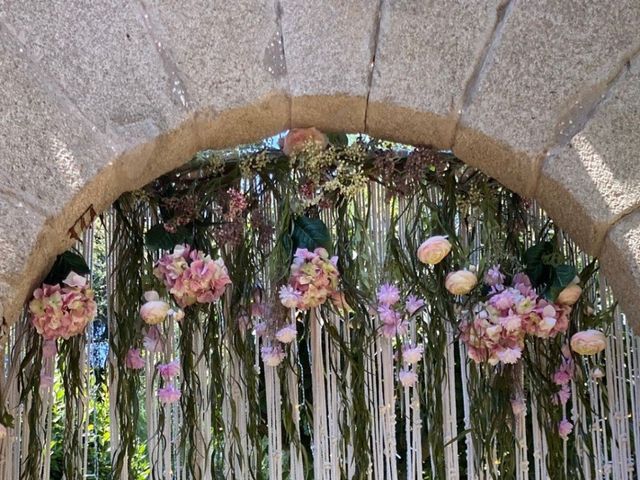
column 412, row 355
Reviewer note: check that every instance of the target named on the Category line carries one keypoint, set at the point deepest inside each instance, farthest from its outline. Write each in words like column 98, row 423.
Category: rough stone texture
column 426, row 55
column 548, row 62
column 595, row 179
column 620, row 258
column 329, row 47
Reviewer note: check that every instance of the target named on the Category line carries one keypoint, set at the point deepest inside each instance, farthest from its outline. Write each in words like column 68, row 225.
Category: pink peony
column 169, row 370
column 407, row 378
column 286, row 334
column 413, row 304
column 565, row 427
column 134, row 360
column 460, row 282
column 297, row 139
column 169, row 394
column 433, row 250
column 388, row 294
column 272, row 356
column 588, row 342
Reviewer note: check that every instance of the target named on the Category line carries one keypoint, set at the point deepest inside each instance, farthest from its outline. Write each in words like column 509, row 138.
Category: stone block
column 595, row 179
column 328, row 52
column 548, row 63
column 620, row 259
column 426, row 55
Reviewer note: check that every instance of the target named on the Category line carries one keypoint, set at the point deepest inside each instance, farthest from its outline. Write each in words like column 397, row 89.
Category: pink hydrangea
column 314, row 278
column 62, row 311
column 169, row 394
column 191, row 276
column 134, row 360
column 169, row 370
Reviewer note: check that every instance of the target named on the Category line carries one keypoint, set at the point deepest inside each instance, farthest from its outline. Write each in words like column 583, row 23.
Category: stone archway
column 101, row 98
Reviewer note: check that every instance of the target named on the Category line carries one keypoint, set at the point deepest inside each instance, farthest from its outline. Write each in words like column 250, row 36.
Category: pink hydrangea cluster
column 62, row 311
column 499, row 326
column 314, row 278
column 191, row 276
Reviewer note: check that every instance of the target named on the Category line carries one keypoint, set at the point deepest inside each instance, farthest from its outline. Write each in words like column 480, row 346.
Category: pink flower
column 565, row 427
column 433, row 250
column 289, row 297
column 134, row 360
column 287, row 334
column 314, row 275
column 297, row 139
column 154, row 310
column 272, row 356
column 260, row 329
column 411, row 354
column 49, row 349
column 509, row 355
column 561, row 377
column 494, row 277
column 588, row 342
column 169, row 370
column 169, row 394
column 388, row 294
column 563, row 395
column 460, row 282
column 407, row 378
column 152, row 340
column 413, row 304
column 46, row 381
column 597, row 374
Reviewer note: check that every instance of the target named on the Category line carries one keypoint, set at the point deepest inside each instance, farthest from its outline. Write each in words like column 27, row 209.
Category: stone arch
column 99, row 98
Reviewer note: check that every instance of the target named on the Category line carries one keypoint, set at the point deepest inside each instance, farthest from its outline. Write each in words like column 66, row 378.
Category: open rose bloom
column 300, row 138
column 497, row 331
column 191, row 276
column 62, row 311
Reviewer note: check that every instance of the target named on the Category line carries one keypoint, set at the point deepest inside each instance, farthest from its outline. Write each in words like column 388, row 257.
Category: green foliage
column 310, row 233
column 66, row 262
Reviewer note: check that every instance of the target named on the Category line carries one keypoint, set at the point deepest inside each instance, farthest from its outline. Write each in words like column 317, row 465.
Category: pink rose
column 433, row 250
column 460, row 282
column 298, row 138
column 569, row 295
column 588, row 342
column 154, row 311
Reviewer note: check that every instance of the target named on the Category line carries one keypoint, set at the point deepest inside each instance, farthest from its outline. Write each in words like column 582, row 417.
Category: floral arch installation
column 324, row 307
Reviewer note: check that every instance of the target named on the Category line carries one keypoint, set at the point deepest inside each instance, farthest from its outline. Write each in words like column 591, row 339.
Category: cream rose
column 588, row 342
column 460, row 282
column 569, row 295
column 433, row 250
column 298, row 138
column 154, row 311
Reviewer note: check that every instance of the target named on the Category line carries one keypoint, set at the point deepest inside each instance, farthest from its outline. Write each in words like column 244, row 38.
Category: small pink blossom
column 169, row 394
column 134, row 360
column 289, row 297
column 152, row 340
column 388, row 294
column 272, row 356
column 509, row 355
column 597, row 374
column 413, row 304
column 494, row 277
column 561, row 377
column 412, row 355
column 563, row 395
column 169, row 370
column 408, row 378
column 287, row 334
column 565, row 427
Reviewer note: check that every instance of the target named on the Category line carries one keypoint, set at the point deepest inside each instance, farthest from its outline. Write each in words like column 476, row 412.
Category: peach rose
column 588, row 342
column 298, row 138
column 460, row 282
column 154, row 310
column 569, row 295
column 434, row 249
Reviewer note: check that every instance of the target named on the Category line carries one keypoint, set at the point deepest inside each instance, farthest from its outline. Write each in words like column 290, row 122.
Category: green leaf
column 338, row 139
column 564, row 275
column 537, row 270
column 69, row 261
column 157, row 238
column 310, row 233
